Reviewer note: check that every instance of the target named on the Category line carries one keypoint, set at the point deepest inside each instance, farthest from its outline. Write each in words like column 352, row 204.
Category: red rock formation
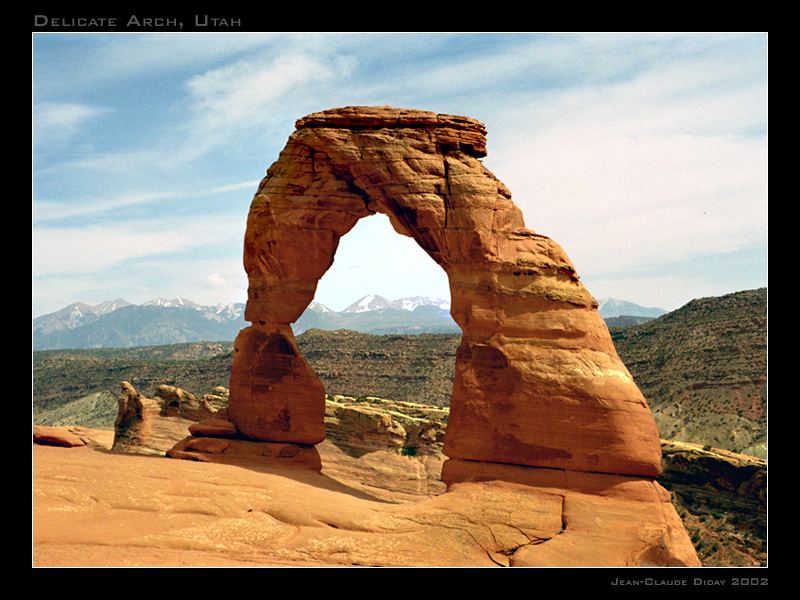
column 135, row 417
column 213, row 427
column 220, row 450
column 538, row 381
column 177, row 402
column 56, row 436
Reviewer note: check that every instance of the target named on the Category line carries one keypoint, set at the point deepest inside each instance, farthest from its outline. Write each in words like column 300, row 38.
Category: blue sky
column 644, row 156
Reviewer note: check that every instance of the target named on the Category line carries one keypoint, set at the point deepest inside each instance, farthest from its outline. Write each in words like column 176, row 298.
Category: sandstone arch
column 538, row 381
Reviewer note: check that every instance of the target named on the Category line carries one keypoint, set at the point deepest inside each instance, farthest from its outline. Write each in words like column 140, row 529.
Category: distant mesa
column 625, row 321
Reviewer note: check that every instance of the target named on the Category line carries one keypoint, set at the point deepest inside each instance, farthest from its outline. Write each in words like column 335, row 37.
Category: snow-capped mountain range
column 374, row 302
column 119, row 323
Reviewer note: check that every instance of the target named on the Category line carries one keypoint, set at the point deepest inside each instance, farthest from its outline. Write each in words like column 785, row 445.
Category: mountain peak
column 318, row 307
column 614, row 307
column 108, row 306
column 370, row 302
column 413, row 302
column 375, row 302
column 171, row 303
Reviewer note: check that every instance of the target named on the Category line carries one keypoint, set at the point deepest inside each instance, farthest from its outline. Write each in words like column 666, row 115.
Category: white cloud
column 55, row 121
column 249, row 94
column 61, row 250
column 216, row 280
column 645, row 172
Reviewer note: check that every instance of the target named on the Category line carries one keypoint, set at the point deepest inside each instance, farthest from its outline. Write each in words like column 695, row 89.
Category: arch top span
column 537, row 379
column 468, row 133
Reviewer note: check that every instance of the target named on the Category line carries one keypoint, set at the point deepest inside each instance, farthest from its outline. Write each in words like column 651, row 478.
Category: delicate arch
column 537, row 382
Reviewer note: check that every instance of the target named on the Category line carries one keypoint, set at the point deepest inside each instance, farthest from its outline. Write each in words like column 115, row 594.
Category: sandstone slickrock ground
column 379, row 454
column 97, row 508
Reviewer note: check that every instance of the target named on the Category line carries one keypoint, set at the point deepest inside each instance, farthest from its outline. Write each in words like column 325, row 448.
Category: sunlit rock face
column 537, row 379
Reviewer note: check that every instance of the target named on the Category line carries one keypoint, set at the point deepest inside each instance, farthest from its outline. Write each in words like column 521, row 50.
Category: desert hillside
column 703, row 369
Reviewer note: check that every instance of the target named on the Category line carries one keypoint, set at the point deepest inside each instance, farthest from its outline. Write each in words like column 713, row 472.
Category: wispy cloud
column 668, row 164
column 44, row 210
column 230, row 187
column 105, row 58
column 51, row 210
column 55, row 121
column 62, row 250
column 248, row 94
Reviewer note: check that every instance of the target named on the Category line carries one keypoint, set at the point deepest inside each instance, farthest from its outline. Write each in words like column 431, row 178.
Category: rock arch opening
column 374, row 268
column 537, row 379
column 380, row 337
